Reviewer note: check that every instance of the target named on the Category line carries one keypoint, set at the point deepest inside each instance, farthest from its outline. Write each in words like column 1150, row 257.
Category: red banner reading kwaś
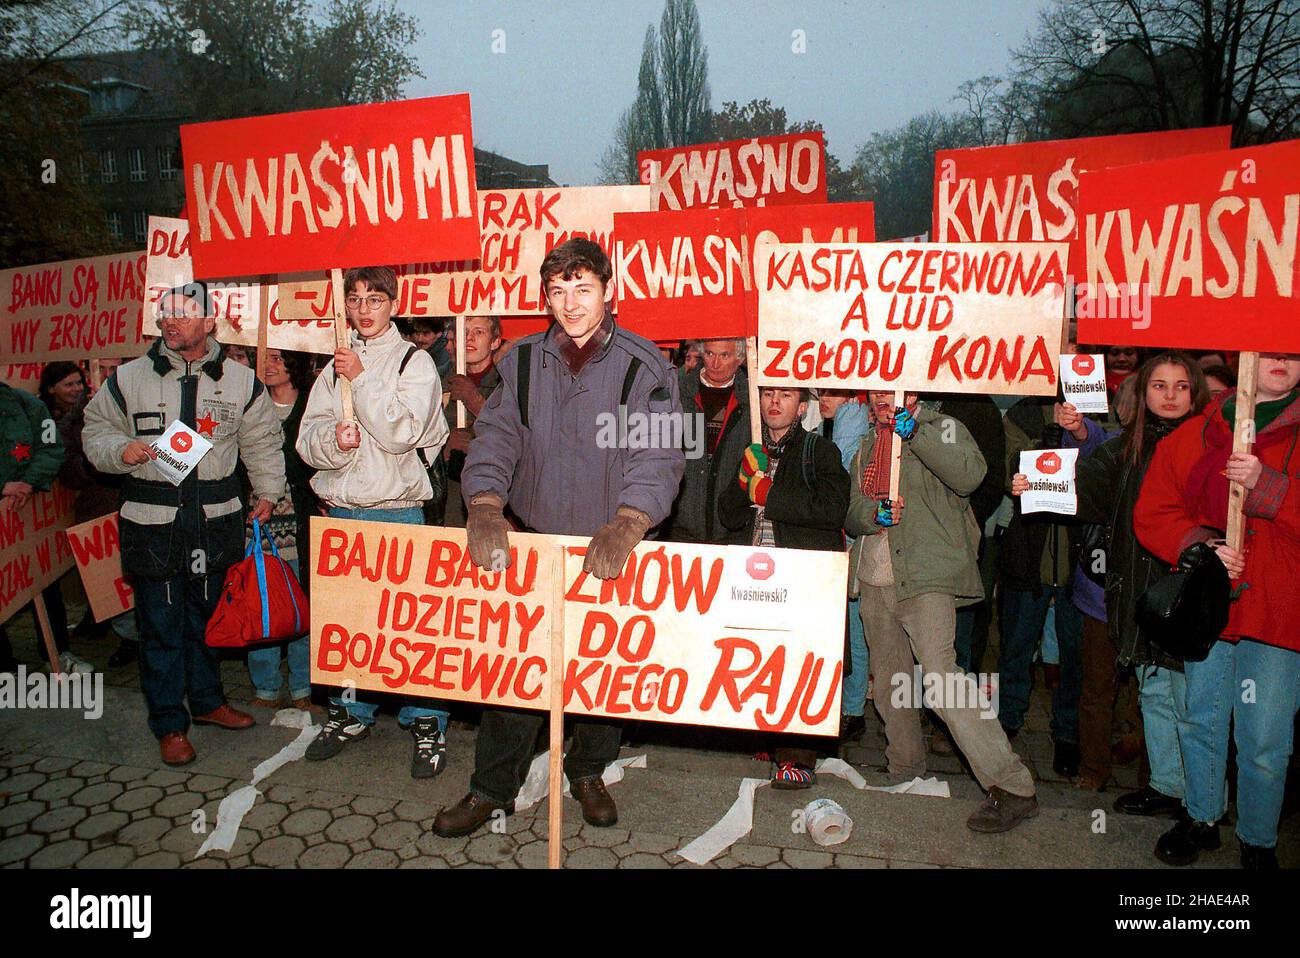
column 1197, row 252
column 321, row 189
column 761, row 171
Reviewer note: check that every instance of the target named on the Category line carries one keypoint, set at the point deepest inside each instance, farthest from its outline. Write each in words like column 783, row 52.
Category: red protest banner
column 97, row 552
column 319, row 189
column 1197, row 252
column 762, row 171
column 689, row 275
column 1027, row 191
column 74, row 309
column 973, row 317
column 34, row 550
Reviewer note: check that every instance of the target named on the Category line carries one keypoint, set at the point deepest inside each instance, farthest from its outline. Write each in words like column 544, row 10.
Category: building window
column 83, row 168
column 107, row 166
column 141, row 226
column 138, row 173
column 167, row 168
column 115, row 224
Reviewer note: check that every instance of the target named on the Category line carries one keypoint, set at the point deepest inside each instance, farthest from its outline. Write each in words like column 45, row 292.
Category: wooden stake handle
column 1243, row 437
column 751, row 367
column 47, row 633
column 263, row 324
column 895, row 452
column 462, row 414
column 341, row 339
column 555, row 794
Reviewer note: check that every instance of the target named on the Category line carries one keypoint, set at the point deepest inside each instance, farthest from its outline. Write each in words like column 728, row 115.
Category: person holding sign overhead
column 536, row 449
column 375, row 468
column 179, row 536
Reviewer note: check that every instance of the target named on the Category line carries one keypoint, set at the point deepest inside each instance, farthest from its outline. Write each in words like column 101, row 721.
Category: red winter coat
column 1168, row 517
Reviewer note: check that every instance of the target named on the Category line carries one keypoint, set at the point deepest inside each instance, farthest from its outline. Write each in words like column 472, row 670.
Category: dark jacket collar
column 557, row 342
column 164, row 360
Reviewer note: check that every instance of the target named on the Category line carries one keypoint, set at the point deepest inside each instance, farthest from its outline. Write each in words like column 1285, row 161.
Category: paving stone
column 166, row 778
column 174, row 789
column 111, row 856
column 326, row 799
column 329, row 855
column 245, row 841
column 205, row 863
column 905, row 864
column 591, row 858
column 98, row 809
column 407, row 852
column 374, row 858
column 857, row 861
column 456, row 859
column 395, row 835
column 725, row 861
column 757, row 856
column 207, row 783
column 99, row 794
column 371, row 805
column 424, row 861
column 431, row 843
column 157, row 860
column 180, row 804
column 490, row 849
column 604, row 837
column 307, row 821
column 63, row 854
column 19, row 848
column 144, row 831
column 57, row 788
column 350, row 828
column 57, row 819
column 21, row 784
column 414, row 811
column 140, row 797
column 643, row 860
column 58, row 803
column 101, row 825
column 17, row 759
column 127, row 773
column 532, row 855
column 87, row 769
column 176, row 838
column 314, row 839
column 279, row 852
column 653, row 843
column 803, row 858
column 20, row 813
column 288, row 794
column 59, row 836
column 52, row 764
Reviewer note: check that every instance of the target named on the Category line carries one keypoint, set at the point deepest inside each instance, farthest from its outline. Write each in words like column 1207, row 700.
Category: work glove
column 487, row 532
column 754, row 464
column 904, row 422
column 888, row 512
column 614, row 541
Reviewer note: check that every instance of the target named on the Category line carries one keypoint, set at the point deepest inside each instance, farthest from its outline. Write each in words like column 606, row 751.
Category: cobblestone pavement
column 94, row 794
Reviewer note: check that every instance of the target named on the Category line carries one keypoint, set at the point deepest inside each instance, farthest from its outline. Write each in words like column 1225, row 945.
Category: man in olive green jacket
column 913, row 571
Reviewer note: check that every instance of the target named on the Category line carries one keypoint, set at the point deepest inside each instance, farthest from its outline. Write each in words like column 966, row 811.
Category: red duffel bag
column 261, row 600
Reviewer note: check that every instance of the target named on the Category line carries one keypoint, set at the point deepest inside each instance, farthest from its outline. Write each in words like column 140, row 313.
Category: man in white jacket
column 373, row 468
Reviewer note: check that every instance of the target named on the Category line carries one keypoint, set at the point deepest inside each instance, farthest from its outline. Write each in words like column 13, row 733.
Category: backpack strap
column 629, row 378
column 809, row 466
column 407, row 358
column 524, row 372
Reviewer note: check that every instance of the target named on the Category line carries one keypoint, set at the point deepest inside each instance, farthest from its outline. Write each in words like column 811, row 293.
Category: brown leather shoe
column 1002, row 811
column 176, row 749
column 467, row 815
column 261, row 703
column 598, row 807
column 226, row 717
column 305, row 703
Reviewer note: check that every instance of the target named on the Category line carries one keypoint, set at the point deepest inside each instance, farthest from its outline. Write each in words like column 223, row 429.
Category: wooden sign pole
column 263, row 322
column 751, row 366
column 341, row 338
column 47, row 633
column 895, row 451
column 555, row 822
column 462, row 414
column 1243, row 437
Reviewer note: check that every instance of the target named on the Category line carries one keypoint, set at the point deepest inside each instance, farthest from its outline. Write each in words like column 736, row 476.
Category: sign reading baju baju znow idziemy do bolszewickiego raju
column 724, row 636
column 928, row 317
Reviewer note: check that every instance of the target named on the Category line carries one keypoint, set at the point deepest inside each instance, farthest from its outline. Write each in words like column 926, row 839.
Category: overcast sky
column 556, row 93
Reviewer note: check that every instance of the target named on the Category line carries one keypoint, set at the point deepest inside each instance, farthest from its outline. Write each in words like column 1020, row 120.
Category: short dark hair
column 379, row 278
column 53, row 374
column 805, row 394
column 572, row 257
column 1222, row 373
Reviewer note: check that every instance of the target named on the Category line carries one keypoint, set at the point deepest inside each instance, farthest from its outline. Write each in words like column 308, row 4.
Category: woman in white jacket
column 373, row 468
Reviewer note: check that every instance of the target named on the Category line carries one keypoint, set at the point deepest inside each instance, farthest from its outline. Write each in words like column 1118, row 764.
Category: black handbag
column 1186, row 611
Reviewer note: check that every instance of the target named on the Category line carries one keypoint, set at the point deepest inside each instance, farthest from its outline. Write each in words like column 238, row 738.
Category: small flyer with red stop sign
column 1083, row 380
column 1051, row 481
column 179, row 450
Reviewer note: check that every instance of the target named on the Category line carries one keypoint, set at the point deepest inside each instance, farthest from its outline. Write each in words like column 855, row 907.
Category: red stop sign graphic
column 760, row 566
column 1083, row 364
column 182, row 442
column 1049, row 463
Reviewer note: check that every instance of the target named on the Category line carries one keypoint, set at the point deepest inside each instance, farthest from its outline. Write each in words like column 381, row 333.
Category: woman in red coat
column 1252, row 675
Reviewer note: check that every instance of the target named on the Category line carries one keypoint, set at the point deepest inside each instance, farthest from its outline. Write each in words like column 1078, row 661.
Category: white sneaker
column 71, row 663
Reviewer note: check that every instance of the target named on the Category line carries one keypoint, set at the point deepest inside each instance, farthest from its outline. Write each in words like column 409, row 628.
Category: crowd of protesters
column 931, row 570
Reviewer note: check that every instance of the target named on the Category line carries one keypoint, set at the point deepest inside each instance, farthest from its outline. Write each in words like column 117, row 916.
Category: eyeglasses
column 374, row 303
column 181, row 316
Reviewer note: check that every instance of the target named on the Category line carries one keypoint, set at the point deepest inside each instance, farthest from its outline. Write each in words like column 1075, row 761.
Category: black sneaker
column 340, row 729
column 430, row 748
column 1183, row 843
column 1257, row 858
column 1150, row 803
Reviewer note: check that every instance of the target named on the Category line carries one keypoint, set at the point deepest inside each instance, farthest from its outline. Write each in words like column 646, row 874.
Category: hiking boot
column 1150, row 803
column 467, row 815
column 1257, row 858
column 430, row 748
column 1002, row 811
column 598, row 807
column 340, row 729
column 1183, row 843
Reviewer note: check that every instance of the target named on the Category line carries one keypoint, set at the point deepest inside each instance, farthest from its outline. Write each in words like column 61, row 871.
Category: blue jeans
column 365, row 711
column 1257, row 687
column 264, row 665
column 175, row 661
column 1163, row 692
column 1023, row 617
column 853, row 699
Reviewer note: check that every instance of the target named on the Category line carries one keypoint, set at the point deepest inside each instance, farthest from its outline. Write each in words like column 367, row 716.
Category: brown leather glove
column 614, row 541
column 487, row 532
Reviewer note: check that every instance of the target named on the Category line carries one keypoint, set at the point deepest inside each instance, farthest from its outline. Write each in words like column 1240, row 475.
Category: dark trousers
column 175, row 662
column 58, row 613
column 1024, row 611
column 1097, row 701
column 504, row 750
column 973, row 621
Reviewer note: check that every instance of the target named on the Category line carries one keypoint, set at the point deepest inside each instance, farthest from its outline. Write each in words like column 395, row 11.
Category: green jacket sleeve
column 861, row 518
column 46, row 454
column 945, row 447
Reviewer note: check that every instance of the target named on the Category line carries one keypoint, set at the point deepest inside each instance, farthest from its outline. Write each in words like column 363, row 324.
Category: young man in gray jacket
column 537, row 448
column 178, row 541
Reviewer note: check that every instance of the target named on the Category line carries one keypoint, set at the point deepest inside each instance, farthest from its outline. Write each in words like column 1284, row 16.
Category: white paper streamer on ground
column 537, row 783
column 739, row 819
column 292, row 718
column 233, row 808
